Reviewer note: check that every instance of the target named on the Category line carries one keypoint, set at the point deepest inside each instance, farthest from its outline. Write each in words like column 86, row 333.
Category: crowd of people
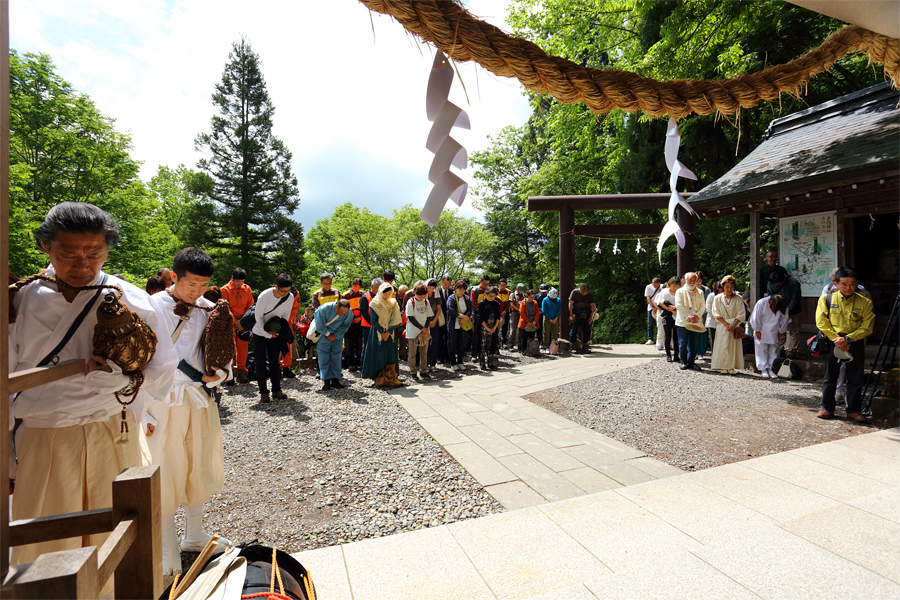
column 428, row 323
column 69, row 438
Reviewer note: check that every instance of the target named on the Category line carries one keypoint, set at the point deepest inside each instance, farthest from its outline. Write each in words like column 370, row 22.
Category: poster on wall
column 809, row 250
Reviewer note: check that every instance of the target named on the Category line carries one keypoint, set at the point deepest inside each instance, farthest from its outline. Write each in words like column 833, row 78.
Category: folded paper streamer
column 447, row 151
column 673, row 141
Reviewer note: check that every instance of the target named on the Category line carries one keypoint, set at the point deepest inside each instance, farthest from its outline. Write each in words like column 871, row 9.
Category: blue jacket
column 550, row 308
column 338, row 328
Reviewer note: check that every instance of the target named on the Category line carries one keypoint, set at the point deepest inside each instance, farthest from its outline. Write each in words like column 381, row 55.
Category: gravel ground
column 324, row 468
column 696, row 420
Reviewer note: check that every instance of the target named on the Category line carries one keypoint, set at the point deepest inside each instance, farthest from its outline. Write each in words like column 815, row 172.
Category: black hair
column 842, row 272
column 485, row 277
column 431, row 282
column 356, row 281
column 283, row 280
column 503, row 280
column 459, row 284
column 325, row 276
column 213, row 294
column 491, row 290
column 76, row 217
column 388, row 276
column 777, row 303
column 674, row 280
column 529, row 293
column 239, row 273
column 778, row 276
column 155, row 284
column 655, row 280
column 193, row 260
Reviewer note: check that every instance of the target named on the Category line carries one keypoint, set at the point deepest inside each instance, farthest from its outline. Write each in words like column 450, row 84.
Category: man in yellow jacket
column 846, row 318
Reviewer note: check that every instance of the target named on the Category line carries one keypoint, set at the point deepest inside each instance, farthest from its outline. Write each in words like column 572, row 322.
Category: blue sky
column 348, row 88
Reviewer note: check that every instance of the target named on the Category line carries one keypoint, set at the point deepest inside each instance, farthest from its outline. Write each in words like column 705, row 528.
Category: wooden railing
column 133, row 549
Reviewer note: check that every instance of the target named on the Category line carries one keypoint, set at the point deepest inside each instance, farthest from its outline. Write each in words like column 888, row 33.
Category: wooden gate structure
column 568, row 230
column 135, row 514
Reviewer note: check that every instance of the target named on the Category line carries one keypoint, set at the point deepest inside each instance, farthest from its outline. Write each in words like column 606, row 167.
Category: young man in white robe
column 769, row 320
column 68, row 433
column 183, row 431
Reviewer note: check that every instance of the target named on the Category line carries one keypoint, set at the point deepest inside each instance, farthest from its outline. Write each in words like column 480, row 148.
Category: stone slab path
column 816, row 522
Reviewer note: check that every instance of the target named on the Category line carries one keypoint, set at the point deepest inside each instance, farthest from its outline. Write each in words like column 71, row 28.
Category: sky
column 348, row 86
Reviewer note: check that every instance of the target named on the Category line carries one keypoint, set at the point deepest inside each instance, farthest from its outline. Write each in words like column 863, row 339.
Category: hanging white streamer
column 673, row 141
column 616, row 248
column 447, row 151
column 597, row 247
column 639, row 249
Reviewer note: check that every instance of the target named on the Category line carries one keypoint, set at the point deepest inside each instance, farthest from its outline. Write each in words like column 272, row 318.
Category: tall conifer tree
column 251, row 178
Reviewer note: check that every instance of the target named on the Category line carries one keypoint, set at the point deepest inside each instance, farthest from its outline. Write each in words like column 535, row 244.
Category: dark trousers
column 651, row 321
column 540, row 331
column 443, row 345
column 364, row 332
column 688, row 345
column 353, row 342
column 581, row 324
column 853, row 381
column 670, row 338
column 267, row 368
column 458, row 339
column 434, row 345
column 524, row 336
column 712, row 338
column 476, row 341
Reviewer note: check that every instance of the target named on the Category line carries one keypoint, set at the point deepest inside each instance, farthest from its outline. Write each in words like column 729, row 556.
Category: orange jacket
column 240, row 299
column 523, row 313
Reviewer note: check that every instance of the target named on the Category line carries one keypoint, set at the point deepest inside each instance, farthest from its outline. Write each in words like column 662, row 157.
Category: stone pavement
column 817, row 522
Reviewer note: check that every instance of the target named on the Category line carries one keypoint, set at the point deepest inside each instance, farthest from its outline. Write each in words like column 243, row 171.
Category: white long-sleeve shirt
column 768, row 323
column 188, row 347
column 43, row 318
column 267, row 302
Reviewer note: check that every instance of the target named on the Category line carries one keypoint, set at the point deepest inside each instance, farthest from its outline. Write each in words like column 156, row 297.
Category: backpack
column 533, row 348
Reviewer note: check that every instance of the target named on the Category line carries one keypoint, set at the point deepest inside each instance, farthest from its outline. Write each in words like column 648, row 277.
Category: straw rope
column 453, row 30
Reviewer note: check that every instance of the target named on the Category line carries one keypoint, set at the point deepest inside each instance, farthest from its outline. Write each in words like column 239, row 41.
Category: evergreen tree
column 252, row 183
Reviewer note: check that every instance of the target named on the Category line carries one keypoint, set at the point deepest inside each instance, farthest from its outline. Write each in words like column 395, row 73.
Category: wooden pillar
column 4, row 277
column 137, row 491
column 686, row 254
column 566, row 262
column 755, row 292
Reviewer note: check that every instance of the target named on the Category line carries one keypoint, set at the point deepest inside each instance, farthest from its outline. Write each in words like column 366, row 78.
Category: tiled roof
column 857, row 135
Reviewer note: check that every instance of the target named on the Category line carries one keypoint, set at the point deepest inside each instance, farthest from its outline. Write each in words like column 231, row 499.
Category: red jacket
column 523, row 313
column 240, row 299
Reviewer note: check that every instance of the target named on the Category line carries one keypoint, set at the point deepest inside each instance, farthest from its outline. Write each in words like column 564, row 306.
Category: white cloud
column 152, row 66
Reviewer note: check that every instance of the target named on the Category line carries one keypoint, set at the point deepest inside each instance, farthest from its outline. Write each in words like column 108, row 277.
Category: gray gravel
column 695, row 420
column 324, row 468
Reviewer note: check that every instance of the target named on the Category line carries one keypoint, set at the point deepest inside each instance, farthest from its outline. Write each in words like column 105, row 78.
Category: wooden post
column 566, row 262
column 4, row 277
column 66, row 574
column 137, row 490
column 755, row 292
column 686, row 254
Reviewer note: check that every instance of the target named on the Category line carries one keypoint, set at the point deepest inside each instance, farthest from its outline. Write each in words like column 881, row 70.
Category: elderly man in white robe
column 67, row 432
column 769, row 320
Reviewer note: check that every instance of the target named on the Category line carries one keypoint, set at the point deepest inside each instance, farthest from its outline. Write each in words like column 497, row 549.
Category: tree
column 254, row 190
column 61, row 149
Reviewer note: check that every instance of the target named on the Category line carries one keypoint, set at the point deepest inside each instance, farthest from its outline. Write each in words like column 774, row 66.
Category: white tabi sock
column 171, row 553
column 195, row 539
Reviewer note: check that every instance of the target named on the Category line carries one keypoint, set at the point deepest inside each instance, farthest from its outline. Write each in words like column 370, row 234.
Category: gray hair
column 342, row 303
column 79, row 218
column 377, row 281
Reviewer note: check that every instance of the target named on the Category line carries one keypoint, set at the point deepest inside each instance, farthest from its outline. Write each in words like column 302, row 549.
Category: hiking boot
column 264, row 398
column 242, row 376
column 857, row 418
column 231, row 382
column 336, row 383
column 825, row 414
column 326, row 386
column 287, row 373
column 279, row 395
column 483, row 366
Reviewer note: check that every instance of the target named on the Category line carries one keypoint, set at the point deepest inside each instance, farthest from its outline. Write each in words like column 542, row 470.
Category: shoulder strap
column 280, row 302
column 178, row 328
column 53, row 357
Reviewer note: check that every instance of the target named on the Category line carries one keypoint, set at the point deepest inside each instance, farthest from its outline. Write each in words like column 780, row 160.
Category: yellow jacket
column 848, row 317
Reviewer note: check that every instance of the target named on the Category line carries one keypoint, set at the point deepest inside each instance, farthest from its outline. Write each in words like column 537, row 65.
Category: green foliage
column 355, row 242
column 250, row 178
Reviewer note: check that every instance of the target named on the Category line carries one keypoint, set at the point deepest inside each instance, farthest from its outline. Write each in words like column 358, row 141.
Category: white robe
column 768, row 323
column 728, row 352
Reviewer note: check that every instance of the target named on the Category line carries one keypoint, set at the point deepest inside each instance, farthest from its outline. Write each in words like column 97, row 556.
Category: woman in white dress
column 728, row 310
column 769, row 321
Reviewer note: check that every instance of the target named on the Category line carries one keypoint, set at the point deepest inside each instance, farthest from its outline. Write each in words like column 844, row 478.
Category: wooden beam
column 618, row 229
column 66, row 574
column 601, row 202
column 31, row 378
column 566, row 261
column 59, row 527
column 122, row 538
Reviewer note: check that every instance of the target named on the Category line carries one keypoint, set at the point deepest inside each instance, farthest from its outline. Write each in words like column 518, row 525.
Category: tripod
column 889, row 346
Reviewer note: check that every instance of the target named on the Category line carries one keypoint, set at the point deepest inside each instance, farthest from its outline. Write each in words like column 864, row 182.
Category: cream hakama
column 728, row 352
